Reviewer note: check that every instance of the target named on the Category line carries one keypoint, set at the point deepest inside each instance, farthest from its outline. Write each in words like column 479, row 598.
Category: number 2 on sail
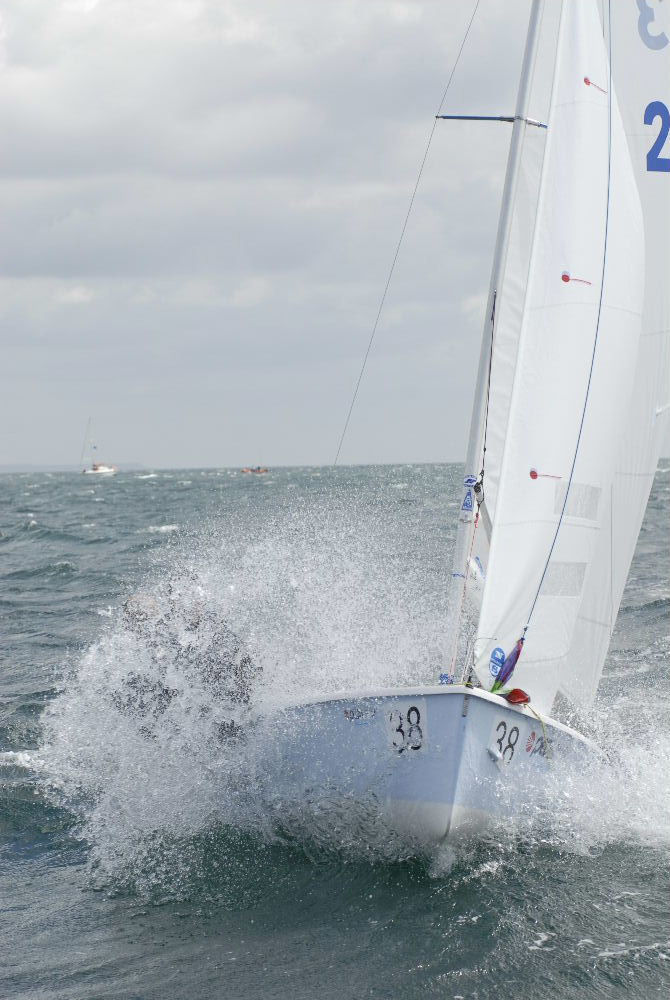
column 657, row 109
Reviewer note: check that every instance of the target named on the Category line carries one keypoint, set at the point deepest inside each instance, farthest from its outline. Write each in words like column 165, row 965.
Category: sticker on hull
column 503, row 741
column 406, row 727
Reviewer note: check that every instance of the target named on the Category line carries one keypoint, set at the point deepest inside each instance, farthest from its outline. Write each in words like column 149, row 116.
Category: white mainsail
column 574, row 369
column 641, row 58
column 564, row 389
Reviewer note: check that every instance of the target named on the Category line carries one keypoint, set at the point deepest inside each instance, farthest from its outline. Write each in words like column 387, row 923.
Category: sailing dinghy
column 569, row 414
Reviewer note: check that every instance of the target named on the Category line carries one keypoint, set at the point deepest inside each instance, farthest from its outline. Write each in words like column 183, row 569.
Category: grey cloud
column 201, row 201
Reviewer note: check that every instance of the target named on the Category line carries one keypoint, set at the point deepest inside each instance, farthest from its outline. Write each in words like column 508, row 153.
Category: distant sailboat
column 96, row 468
column 569, row 416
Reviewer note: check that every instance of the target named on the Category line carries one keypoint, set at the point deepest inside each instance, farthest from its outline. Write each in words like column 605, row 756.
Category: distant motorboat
column 100, row 469
column 257, row 470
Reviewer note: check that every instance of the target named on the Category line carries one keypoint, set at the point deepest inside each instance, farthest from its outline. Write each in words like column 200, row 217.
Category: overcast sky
column 201, row 200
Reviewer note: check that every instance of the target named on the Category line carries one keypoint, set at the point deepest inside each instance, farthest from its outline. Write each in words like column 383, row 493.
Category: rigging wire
column 402, row 235
column 488, row 387
column 597, row 331
column 87, row 434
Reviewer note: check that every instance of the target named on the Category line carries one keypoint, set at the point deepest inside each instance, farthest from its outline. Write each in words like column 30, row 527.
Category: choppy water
column 139, row 856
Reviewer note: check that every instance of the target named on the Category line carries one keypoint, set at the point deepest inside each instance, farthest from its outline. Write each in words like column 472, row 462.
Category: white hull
column 434, row 763
column 107, row 470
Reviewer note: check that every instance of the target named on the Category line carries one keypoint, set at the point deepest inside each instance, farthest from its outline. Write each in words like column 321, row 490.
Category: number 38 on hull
column 436, row 763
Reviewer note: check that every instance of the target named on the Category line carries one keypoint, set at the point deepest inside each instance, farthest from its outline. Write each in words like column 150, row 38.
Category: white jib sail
column 505, row 305
column 572, row 382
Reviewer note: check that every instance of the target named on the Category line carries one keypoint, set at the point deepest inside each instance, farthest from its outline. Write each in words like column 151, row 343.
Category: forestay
column 567, row 396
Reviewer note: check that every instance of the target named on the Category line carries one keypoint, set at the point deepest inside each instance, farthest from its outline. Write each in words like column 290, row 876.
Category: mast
column 474, row 456
column 86, row 437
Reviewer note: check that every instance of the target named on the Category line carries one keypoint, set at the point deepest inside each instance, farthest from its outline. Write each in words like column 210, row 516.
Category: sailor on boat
column 201, row 648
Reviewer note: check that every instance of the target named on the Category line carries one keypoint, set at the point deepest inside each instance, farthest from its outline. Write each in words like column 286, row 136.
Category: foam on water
column 322, row 601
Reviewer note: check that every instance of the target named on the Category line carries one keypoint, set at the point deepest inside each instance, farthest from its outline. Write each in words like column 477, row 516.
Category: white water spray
column 150, row 750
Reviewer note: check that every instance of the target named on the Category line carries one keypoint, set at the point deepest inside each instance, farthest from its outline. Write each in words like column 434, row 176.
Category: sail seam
column 636, row 475
column 561, row 305
column 594, row 621
column 547, row 520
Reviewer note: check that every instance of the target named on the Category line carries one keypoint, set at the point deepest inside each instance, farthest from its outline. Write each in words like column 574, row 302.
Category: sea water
column 140, row 853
